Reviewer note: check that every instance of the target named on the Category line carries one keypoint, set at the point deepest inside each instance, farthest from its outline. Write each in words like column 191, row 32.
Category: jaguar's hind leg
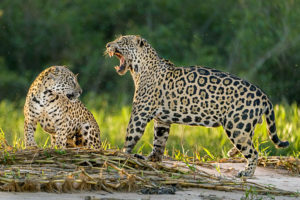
column 250, row 153
column 242, row 140
column 90, row 137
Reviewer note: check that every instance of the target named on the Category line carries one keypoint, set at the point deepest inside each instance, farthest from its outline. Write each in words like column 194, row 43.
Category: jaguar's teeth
column 111, row 54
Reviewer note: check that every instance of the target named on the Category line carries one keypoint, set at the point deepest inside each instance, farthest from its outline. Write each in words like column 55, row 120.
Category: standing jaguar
column 196, row 95
column 52, row 100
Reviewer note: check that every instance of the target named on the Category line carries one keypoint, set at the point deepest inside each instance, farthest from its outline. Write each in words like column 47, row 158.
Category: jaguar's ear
column 51, row 76
column 140, row 41
column 57, row 69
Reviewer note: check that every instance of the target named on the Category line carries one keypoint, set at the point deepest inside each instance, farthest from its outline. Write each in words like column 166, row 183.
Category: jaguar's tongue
column 121, row 67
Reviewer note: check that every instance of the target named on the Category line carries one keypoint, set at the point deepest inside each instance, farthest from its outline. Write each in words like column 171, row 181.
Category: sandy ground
column 275, row 177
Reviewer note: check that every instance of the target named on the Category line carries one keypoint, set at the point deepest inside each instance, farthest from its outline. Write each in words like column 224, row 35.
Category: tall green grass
column 113, row 118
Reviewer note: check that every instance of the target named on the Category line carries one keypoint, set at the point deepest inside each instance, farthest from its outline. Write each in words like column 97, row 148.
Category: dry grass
column 70, row 170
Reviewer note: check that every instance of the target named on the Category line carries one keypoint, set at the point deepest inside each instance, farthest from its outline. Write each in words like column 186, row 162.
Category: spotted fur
column 196, row 95
column 52, row 101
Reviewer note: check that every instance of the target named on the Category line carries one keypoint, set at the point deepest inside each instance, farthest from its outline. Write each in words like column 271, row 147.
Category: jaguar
column 52, row 101
column 195, row 95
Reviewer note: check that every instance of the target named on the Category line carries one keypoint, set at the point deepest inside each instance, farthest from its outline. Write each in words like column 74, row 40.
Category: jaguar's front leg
column 29, row 130
column 61, row 137
column 136, row 127
column 53, row 140
column 161, row 134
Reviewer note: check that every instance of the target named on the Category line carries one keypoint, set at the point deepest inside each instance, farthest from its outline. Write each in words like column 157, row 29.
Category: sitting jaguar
column 52, row 100
column 196, row 95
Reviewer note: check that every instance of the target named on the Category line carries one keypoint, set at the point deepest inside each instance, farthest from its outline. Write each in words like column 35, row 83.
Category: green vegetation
column 206, row 143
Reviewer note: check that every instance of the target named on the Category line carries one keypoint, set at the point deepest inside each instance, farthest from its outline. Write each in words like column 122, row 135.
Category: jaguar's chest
column 52, row 117
column 48, row 123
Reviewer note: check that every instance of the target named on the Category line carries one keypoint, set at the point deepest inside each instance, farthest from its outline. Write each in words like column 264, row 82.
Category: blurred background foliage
column 256, row 40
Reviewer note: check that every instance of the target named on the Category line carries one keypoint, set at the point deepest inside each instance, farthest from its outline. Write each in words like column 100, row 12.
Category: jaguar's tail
column 270, row 118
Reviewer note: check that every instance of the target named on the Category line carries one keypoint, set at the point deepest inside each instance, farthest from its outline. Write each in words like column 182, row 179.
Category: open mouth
column 122, row 67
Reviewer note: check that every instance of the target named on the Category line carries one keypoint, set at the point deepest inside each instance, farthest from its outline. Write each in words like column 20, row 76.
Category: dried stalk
column 111, row 170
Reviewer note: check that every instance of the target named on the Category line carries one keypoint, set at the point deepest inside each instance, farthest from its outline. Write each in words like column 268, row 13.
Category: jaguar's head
column 128, row 50
column 62, row 81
